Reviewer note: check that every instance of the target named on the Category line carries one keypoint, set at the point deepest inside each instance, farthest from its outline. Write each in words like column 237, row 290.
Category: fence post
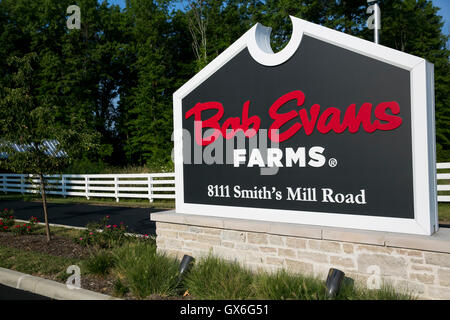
column 22, row 184
column 150, row 186
column 33, row 186
column 39, row 185
column 63, row 185
column 86, row 182
column 116, row 189
column 4, row 184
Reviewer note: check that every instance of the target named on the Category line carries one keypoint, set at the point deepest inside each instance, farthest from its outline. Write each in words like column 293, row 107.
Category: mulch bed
column 90, row 282
column 58, row 246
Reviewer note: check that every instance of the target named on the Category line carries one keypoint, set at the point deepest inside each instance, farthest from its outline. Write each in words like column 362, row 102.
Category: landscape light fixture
column 334, row 281
column 185, row 264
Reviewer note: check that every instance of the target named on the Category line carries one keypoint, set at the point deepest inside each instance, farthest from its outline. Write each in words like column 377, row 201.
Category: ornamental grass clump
column 349, row 291
column 214, row 278
column 146, row 272
column 284, row 285
column 100, row 263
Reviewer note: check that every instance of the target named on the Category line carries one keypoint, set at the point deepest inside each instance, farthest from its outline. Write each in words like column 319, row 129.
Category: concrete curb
column 52, row 224
column 48, row 288
column 73, row 227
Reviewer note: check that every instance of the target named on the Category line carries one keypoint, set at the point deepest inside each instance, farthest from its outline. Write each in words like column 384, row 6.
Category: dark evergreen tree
column 414, row 26
column 118, row 73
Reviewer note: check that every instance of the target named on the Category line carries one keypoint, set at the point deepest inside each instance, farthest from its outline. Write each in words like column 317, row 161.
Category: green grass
column 100, row 168
column 213, row 278
column 33, row 262
column 444, row 212
column 386, row 292
column 100, row 263
column 283, row 285
column 140, row 203
column 57, row 231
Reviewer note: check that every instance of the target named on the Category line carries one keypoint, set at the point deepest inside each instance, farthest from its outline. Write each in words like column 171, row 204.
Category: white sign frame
column 257, row 40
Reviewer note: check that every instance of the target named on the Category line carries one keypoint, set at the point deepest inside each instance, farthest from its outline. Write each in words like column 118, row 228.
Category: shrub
column 21, row 229
column 103, row 234
column 214, row 278
column 25, row 228
column 6, row 220
column 7, row 223
column 6, row 214
column 33, row 222
column 145, row 271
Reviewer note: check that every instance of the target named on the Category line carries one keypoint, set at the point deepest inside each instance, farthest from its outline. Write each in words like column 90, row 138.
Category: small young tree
column 28, row 121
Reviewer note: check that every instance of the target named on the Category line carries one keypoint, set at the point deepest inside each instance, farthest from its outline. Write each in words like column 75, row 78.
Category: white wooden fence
column 443, row 181
column 144, row 185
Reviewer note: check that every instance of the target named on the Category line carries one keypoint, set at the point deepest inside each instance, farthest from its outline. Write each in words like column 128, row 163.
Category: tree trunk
column 44, row 204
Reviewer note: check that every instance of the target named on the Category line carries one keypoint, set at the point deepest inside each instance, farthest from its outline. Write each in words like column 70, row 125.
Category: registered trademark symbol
column 332, row 162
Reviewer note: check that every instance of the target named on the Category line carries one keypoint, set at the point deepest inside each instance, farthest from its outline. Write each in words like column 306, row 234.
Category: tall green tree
column 27, row 120
column 148, row 104
column 414, row 26
column 411, row 26
column 118, row 73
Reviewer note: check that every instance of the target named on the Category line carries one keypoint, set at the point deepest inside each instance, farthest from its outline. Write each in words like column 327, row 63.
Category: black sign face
column 377, row 162
column 335, row 134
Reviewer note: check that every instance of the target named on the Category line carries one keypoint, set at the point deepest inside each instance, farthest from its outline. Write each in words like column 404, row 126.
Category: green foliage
column 29, row 121
column 105, row 91
column 139, row 270
column 6, row 220
column 283, row 285
column 86, row 166
column 120, row 289
column 8, row 223
column 21, row 229
column 414, row 26
column 100, row 263
column 33, row 262
column 214, row 278
column 444, row 212
column 103, row 234
column 145, row 271
column 386, row 292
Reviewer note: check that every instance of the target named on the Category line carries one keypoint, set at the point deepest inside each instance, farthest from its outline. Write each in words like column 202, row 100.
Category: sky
column 444, row 12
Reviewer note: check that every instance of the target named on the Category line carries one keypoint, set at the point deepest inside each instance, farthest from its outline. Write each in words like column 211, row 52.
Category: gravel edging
column 48, row 288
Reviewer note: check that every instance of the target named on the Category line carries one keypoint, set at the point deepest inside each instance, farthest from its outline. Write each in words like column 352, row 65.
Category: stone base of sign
column 419, row 264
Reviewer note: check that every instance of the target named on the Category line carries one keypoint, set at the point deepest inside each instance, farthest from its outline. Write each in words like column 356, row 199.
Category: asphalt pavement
column 78, row 215
column 9, row 293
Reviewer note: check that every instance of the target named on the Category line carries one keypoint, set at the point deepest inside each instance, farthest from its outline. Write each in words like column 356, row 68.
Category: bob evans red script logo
column 330, row 119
